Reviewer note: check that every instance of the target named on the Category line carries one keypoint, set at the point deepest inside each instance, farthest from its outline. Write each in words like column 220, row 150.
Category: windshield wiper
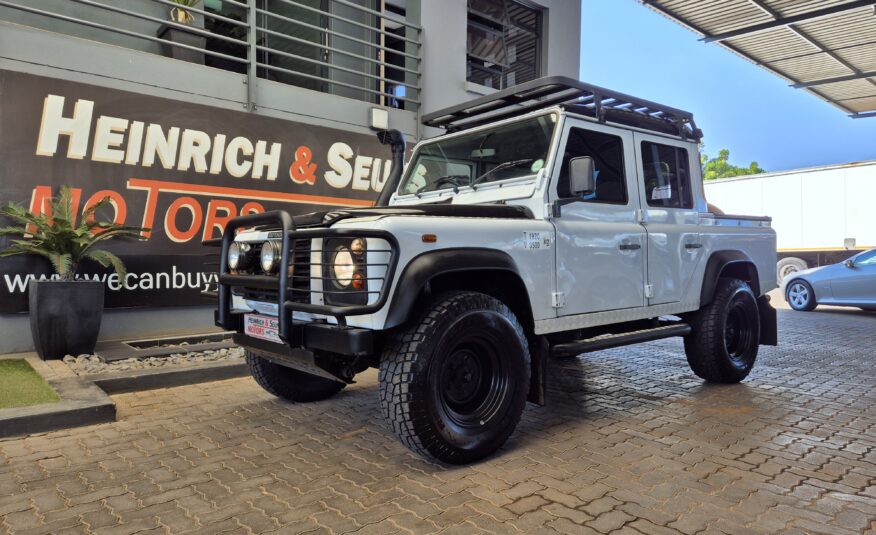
column 504, row 165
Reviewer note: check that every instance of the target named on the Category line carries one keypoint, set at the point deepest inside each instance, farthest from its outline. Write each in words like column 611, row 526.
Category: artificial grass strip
column 21, row 386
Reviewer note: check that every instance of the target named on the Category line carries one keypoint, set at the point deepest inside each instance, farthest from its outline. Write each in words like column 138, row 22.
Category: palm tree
column 58, row 238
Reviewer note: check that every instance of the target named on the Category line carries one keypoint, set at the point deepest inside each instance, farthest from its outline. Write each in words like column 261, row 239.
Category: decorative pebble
column 91, row 364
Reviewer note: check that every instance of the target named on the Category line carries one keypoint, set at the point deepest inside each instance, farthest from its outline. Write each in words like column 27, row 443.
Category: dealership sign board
column 179, row 169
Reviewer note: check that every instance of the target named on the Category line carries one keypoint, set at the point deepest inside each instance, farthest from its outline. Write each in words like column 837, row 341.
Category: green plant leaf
column 106, row 258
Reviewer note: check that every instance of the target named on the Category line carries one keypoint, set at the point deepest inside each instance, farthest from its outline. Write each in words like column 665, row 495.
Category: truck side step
column 607, row 341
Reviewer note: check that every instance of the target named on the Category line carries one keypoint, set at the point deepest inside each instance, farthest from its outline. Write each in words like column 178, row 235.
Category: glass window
column 607, row 152
column 504, row 43
column 866, row 259
column 666, row 175
column 503, row 152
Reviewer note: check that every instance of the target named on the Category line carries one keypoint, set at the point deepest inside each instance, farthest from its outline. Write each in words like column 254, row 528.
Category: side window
column 866, row 259
column 666, row 176
column 607, row 152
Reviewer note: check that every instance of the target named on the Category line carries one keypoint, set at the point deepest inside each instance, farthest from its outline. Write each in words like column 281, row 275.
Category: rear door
column 600, row 244
column 666, row 168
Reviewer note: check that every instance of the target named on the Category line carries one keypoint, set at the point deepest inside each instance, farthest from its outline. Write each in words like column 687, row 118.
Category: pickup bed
column 553, row 219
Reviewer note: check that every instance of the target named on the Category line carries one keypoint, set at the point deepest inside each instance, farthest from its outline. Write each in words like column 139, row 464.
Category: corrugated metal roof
column 826, row 47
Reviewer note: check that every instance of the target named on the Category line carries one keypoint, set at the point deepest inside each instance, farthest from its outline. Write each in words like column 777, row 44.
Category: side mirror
column 581, row 176
column 849, row 263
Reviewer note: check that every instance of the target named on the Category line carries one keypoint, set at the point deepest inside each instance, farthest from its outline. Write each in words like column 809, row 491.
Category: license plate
column 264, row 327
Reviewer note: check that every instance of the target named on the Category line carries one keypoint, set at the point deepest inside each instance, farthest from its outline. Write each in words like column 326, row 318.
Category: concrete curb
column 85, row 399
column 120, row 383
column 82, row 403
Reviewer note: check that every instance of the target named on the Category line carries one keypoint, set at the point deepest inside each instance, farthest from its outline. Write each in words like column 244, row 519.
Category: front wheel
column 725, row 335
column 454, row 383
column 288, row 383
column 800, row 296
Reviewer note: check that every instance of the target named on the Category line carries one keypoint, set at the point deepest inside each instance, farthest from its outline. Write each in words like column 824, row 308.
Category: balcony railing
column 349, row 48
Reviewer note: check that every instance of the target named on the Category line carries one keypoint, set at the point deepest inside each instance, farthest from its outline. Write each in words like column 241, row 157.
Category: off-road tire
column 454, row 382
column 725, row 336
column 289, row 384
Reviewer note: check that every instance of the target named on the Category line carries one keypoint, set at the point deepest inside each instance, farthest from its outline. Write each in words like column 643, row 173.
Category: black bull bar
column 289, row 332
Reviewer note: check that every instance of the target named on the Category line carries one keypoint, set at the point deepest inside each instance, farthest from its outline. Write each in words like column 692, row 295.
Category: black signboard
column 180, row 169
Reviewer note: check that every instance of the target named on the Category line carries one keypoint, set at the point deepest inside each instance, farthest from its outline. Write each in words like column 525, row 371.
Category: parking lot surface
column 630, row 441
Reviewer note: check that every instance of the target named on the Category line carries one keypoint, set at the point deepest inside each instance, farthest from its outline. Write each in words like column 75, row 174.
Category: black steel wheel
column 453, row 385
column 288, row 383
column 725, row 335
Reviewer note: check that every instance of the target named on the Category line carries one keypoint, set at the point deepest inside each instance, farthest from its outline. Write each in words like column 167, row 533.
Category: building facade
column 188, row 116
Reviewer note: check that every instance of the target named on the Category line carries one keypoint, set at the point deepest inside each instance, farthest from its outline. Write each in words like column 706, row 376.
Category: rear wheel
column 288, row 383
column 725, row 335
column 453, row 384
column 788, row 266
column 800, row 296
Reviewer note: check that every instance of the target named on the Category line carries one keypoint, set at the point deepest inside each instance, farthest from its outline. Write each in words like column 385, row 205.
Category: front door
column 856, row 285
column 600, row 244
column 666, row 169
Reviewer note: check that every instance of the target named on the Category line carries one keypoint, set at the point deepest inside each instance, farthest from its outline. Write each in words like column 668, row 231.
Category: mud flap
column 769, row 330
column 539, row 349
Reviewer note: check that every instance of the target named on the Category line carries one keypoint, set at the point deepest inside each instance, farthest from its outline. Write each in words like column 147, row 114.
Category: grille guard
column 230, row 319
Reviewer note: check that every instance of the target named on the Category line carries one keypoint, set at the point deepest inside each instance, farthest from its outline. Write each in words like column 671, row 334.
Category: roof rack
column 573, row 95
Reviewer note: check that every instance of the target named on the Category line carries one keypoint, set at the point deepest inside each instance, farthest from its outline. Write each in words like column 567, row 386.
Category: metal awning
column 827, row 47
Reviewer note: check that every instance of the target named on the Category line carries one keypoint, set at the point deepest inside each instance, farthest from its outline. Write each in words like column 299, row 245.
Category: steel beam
column 863, row 115
column 782, row 22
column 849, row 78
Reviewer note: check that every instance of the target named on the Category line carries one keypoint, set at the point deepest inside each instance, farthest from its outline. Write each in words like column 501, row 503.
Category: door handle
column 692, row 245
column 629, row 246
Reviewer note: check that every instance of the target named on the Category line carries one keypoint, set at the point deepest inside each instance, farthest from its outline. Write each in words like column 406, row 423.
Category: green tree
column 720, row 167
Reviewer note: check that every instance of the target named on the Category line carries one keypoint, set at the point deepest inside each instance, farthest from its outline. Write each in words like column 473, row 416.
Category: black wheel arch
column 738, row 265
column 732, row 264
column 465, row 268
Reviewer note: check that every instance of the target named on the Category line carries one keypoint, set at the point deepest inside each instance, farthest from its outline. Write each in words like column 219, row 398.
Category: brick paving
column 630, row 442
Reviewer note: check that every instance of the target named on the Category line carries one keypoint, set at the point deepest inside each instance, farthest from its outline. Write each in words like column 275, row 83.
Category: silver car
column 850, row 283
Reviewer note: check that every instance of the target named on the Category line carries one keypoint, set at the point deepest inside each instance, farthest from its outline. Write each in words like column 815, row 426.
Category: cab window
column 666, row 175
column 866, row 259
column 607, row 152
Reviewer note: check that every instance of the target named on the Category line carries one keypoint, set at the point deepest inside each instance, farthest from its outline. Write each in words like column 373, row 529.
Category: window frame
column 623, row 165
column 687, row 200
column 538, row 32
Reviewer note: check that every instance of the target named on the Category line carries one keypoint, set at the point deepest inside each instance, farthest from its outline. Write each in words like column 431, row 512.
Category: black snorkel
column 396, row 142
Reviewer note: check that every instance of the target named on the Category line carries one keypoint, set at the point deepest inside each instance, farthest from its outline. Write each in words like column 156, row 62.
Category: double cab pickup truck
column 551, row 219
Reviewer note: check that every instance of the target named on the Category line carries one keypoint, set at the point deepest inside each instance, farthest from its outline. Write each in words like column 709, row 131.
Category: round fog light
column 270, row 256
column 236, row 256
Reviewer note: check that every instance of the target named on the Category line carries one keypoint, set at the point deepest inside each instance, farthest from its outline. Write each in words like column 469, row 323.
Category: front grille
column 299, row 282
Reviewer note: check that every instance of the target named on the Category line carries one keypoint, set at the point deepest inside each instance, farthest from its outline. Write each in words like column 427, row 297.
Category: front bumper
column 351, row 341
column 314, row 336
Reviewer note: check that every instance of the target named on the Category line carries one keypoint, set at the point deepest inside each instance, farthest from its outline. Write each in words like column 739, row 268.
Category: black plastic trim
column 716, row 265
column 426, row 266
column 769, row 325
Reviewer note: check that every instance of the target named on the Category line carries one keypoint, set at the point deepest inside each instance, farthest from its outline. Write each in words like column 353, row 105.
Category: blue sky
column 739, row 106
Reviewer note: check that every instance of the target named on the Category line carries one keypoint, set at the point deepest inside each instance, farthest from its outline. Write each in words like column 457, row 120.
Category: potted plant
column 175, row 34
column 65, row 312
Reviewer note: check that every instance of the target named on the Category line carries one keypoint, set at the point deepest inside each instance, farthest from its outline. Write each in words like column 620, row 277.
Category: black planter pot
column 65, row 316
column 183, row 37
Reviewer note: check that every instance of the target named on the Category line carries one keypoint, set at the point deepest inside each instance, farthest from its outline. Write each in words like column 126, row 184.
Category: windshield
column 509, row 151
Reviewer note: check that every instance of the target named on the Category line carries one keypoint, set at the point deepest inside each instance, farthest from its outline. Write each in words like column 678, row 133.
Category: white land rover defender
column 554, row 218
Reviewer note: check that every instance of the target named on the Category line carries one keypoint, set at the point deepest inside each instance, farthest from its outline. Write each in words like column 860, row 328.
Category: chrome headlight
column 237, row 255
column 270, row 256
column 342, row 266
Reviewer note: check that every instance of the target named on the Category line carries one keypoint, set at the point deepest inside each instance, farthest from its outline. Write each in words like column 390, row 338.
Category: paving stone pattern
column 630, row 442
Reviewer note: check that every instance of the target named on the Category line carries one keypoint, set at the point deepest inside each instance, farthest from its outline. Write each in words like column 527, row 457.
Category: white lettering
column 232, row 160
column 53, row 124
column 159, row 144
column 361, row 170
column 135, row 141
column 193, row 149
column 108, row 137
column 270, row 160
column 342, row 171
